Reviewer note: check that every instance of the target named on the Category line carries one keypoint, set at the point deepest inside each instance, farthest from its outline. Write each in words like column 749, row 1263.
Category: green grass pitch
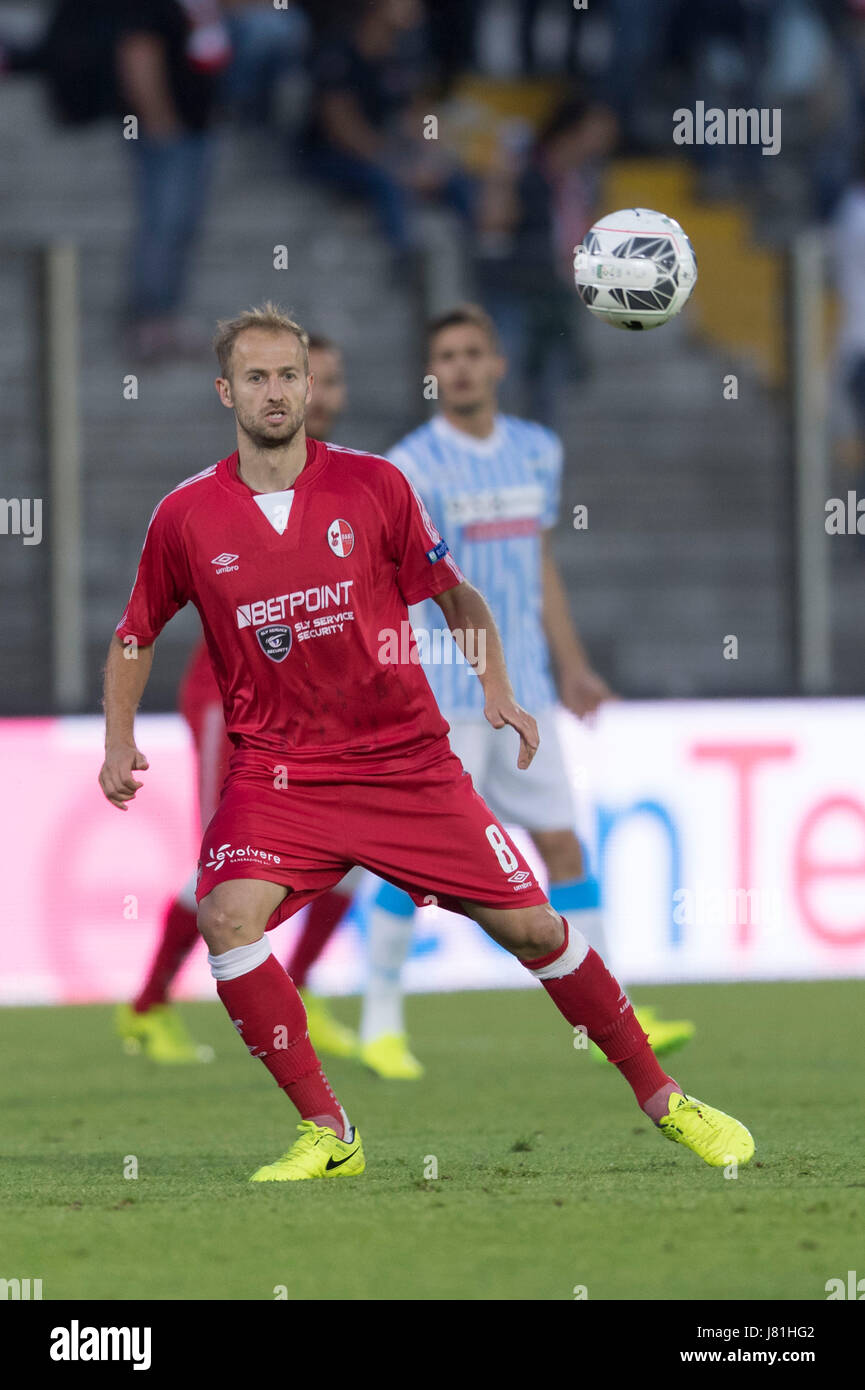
column 549, row 1178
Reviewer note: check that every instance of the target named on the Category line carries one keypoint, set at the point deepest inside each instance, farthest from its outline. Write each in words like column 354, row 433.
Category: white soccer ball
column 636, row 268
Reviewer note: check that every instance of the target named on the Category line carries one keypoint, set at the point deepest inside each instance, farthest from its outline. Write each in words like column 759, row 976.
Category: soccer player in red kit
column 341, row 755
column 150, row 1024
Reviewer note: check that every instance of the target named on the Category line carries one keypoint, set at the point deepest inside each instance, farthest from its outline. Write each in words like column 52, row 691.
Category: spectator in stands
column 531, row 218
column 365, row 132
column 171, row 55
column 266, row 43
column 453, row 26
column 530, row 15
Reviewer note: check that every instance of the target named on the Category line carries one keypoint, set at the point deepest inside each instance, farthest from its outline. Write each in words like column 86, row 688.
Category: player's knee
column 540, row 932
column 225, row 924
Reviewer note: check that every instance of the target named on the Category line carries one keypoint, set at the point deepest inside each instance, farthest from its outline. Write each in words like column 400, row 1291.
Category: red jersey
column 299, row 593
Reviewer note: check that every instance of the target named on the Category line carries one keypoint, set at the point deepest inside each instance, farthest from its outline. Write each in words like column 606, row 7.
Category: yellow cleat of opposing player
column 715, row 1137
column 160, row 1034
column 318, row 1153
column 327, row 1035
column 389, row 1057
column 665, row 1035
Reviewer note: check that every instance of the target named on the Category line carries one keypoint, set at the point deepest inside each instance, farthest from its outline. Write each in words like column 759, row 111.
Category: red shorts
column 429, row 833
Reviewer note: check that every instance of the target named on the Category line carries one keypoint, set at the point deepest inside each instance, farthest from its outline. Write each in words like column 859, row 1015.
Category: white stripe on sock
column 239, row 961
column 570, row 960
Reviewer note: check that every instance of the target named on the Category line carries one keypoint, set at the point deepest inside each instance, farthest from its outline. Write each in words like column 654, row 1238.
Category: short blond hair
column 268, row 316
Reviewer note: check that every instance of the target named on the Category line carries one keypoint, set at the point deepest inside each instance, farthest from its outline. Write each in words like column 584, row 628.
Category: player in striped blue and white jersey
column 498, row 494
column 491, row 483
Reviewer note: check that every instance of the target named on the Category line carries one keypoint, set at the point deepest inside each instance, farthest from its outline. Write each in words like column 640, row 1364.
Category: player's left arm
column 473, row 627
column 581, row 689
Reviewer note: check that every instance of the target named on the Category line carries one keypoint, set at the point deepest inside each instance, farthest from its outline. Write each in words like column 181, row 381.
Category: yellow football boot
column 715, row 1137
column 316, row 1154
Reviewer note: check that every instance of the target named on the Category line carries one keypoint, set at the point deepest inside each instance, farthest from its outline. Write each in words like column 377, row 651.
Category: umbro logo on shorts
column 275, row 641
column 519, row 877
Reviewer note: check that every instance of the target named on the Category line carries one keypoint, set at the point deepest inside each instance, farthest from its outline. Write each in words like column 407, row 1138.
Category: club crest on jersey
column 340, row 538
column 275, row 641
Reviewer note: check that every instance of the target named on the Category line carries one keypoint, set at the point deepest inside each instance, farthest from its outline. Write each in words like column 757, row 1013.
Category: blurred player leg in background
column 384, row 1044
column 324, row 915
column 150, row 1024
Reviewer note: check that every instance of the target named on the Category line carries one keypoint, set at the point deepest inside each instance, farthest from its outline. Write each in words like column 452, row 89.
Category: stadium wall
column 729, row 838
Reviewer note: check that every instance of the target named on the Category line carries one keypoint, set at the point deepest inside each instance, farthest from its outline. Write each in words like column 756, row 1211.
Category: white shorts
column 538, row 797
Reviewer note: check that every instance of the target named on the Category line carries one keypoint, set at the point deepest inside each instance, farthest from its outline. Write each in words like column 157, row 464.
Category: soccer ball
column 635, row 269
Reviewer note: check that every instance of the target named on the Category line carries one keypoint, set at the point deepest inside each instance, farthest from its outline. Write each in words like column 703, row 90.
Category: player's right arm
column 127, row 671
column 473, row 626
column 161, row 588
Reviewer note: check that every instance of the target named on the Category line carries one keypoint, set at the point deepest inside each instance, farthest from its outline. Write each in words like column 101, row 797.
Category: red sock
column 179, row 935
column 324, row 916
column 268, row 1013
column 590, row 997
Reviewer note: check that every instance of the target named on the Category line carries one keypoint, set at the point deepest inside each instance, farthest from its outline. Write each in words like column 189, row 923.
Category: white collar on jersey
column 449, row 432
column 276, row 507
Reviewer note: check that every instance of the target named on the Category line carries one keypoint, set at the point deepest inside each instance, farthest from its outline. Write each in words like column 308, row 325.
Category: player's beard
column 473, row 401
column 271, row 439
column 468, row 407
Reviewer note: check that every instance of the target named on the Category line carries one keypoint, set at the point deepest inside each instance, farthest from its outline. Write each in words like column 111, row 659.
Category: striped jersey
column 492, row 498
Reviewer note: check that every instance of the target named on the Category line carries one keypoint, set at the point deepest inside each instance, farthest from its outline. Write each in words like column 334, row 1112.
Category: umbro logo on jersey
column 275, row 641
column 225, row 562
column 340, row 538
column 519, row 877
